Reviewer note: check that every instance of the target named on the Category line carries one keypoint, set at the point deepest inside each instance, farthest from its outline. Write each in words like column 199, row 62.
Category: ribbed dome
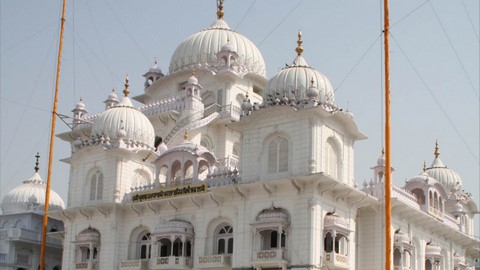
column 175, row 226
column 30, row 196
column 448, row 178
column 200, row 50
column 124, row 121
column 294, row 81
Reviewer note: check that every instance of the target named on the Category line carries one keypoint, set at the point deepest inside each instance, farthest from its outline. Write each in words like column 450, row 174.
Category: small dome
column 192, row 80
column 112, row 96
column 432, row 251
column 200, row 49
column 333, row 220
column 30, row 196
column 80, row 105
column 401, row 237
column 447, row 177
column 227, row 48
column 155, row 68
column 381, row 160
column 295, row 80
column 174, row 226
column 312, row 92
column 272, row 215
column 89, row 235
column 124, row 121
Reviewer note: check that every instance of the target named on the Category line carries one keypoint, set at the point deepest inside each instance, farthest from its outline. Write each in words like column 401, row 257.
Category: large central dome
column 199, row 50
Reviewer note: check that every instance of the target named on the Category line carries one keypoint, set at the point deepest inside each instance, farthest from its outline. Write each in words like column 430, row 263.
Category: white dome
column 448, row 178
column 124, row 121
column 293, row 81
column 200, row 49
column 30, row 196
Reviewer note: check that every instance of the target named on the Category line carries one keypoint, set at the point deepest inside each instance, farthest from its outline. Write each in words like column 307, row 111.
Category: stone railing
column 84, row 265
column 436, row 212
column 336, row 260
column 176, row 103
column 213, row 261
column 172, row 262
column 134, row 265
column 405, row 197
column 270, row 254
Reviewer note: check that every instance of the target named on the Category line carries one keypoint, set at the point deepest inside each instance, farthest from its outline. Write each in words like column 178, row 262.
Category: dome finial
column 424, row 166
column 436, row 153
column 193, row 72
column 36, row 162
column 185, row 135
column 383, row 151
column 299, row 48
column 312, row 81
column 126, row 91
column 220, row 10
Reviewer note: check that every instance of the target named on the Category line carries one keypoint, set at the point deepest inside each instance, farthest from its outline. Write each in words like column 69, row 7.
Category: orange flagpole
column 52, row 139
column 388, row 202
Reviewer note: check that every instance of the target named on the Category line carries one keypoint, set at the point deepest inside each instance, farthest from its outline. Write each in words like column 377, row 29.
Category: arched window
column 418, row 193
column 224, row 239
column 341, row 244
column 140, row 179
column 278, row 155
column 202, row 169
column 163, row 174
column 164, row 247
column 177, row 247
column 144, row 245
column 328, row 243
column 96, row 186
column 188, row 167
column 397, row 257
column 176, row 171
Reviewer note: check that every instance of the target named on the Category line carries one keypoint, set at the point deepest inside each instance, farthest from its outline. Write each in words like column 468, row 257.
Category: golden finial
column 36, row 162
column 220, row 10
column 436, row 153
column 126, row 91
column 383, row 151
column 185, row 135
column 193, row 72
column 299, row 48
column 424, row 166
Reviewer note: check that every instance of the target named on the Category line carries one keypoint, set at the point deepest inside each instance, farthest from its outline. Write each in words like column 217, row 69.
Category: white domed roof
column 199, row 50
column 175, row 226
column 447, row 177
column 294, row 80
column 30, row 196
column 123, row 120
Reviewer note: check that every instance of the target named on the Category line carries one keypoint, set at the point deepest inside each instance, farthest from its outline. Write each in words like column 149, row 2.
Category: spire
column 193, row 72
column 383, row 151
column 36, row 162
column 126, row 91
column 185, row 135
column 299, row 48
column 424, row 166
column 220, row 10
column 436, row 153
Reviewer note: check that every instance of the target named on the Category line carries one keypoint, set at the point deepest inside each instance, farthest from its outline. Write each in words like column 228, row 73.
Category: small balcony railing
column 84, row 265
column 134, row 265
column 336, row 260
column 220, row 261
column 270, row 258
column 171, row 262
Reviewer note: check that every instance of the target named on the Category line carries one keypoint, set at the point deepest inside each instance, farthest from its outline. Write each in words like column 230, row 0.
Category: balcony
column 220, row 261
column 270, row 258
column 134, row 265
column 171, row 262
column 336, row 261
column 19, row 234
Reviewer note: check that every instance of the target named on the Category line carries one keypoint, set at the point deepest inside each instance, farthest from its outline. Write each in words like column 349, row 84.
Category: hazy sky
column 434, row 70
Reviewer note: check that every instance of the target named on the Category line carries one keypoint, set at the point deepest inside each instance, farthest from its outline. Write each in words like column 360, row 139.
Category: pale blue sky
column 434, row 70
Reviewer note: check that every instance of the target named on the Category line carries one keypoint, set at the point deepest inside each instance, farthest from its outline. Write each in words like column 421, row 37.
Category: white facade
column 249, row 173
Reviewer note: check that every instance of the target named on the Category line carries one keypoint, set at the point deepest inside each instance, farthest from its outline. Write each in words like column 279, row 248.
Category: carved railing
column 213, row 261
column 336, row 260
column 134, row 265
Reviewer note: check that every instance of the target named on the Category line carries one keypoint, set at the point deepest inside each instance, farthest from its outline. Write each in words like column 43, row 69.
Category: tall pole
column 52, row 139
column 388, row 174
